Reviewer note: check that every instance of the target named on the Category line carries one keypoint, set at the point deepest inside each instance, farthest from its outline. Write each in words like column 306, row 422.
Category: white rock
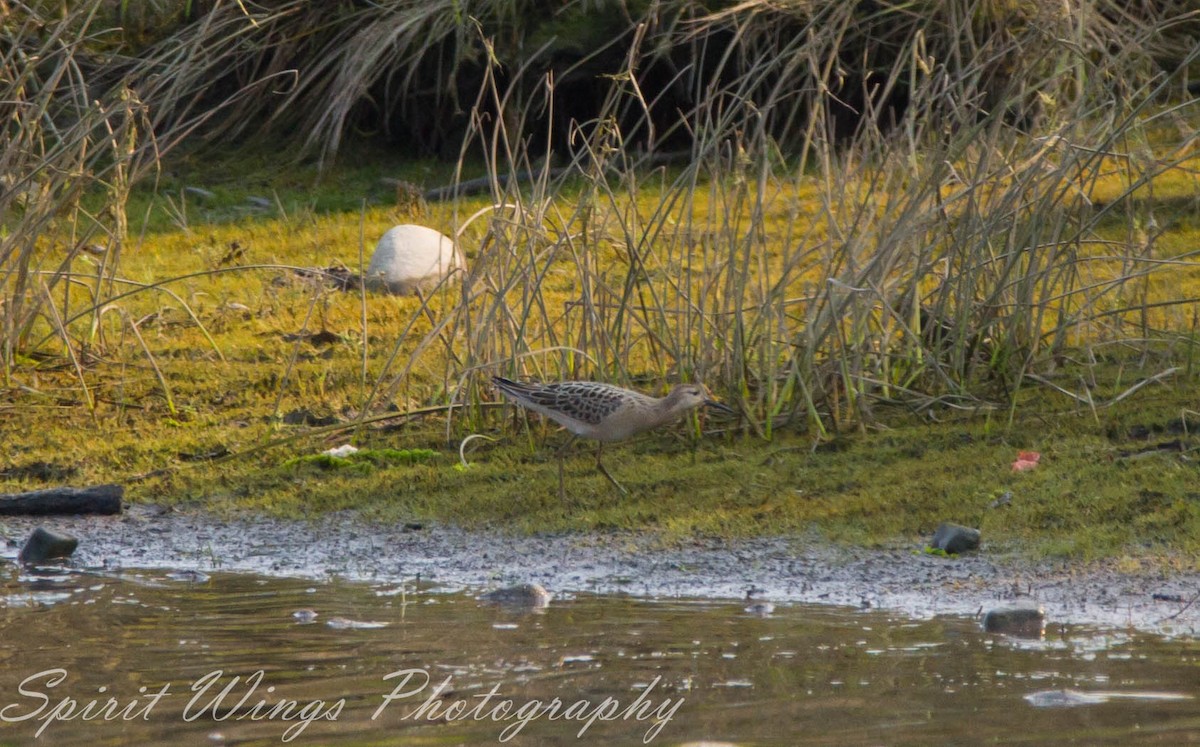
column 411, row 257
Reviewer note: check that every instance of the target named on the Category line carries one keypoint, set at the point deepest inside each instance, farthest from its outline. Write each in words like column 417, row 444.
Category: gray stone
column 533, row 596
column 1023, row 621
column 44, row 545
column 955, row 538
column 189, row 576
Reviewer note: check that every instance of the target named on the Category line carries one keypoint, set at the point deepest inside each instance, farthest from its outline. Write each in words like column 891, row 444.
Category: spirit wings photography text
column 222, row 697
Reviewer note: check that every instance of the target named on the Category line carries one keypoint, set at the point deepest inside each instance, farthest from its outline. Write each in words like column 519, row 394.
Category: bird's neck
column 671, row 408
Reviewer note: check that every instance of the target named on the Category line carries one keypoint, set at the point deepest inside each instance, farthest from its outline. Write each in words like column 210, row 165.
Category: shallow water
column 171, row 656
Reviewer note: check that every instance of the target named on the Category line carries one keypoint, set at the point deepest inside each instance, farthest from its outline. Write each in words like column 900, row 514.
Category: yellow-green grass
column 173, row 396
column 1121, row 481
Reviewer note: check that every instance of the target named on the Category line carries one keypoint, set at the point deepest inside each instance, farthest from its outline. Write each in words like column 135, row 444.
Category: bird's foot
column 613, row 480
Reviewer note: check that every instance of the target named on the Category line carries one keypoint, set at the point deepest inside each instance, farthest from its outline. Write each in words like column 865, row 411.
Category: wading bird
column 590, row 409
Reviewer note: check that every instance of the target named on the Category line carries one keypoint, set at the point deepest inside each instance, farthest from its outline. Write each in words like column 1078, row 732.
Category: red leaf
column 1026, row 460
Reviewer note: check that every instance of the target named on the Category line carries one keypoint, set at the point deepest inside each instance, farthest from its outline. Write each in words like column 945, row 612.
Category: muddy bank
column 785, row 569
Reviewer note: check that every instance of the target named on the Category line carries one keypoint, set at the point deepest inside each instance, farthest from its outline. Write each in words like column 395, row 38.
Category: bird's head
column 691, row 396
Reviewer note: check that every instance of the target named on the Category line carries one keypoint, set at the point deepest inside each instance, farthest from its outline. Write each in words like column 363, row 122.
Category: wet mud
column 782, row 569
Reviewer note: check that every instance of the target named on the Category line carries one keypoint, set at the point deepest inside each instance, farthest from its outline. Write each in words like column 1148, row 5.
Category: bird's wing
column 586, row 401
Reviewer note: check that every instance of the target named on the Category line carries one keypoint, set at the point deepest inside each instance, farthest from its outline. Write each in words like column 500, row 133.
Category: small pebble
column 342, row 623
column 192, row 577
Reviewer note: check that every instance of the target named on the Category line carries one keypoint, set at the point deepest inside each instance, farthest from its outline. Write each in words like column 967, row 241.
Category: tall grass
column 59, row 143
column 878, row 202
column 954, row 252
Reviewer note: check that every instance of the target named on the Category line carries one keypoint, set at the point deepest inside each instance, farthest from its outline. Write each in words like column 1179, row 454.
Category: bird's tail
column 511, row 388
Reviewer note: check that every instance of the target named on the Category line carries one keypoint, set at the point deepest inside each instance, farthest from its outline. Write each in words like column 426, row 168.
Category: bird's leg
column 600, row 466
column 562, row 458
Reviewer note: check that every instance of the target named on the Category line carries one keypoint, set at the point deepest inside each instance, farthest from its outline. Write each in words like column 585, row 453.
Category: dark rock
column 1159, row 597
column 955, row 538
column 44, row 545
column 1023, row 622
column 532, row 596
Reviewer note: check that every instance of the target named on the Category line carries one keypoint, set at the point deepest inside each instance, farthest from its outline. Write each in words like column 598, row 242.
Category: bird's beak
column 720, row 407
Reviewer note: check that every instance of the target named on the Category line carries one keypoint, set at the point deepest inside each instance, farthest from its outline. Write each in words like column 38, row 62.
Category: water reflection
column 222, row 658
